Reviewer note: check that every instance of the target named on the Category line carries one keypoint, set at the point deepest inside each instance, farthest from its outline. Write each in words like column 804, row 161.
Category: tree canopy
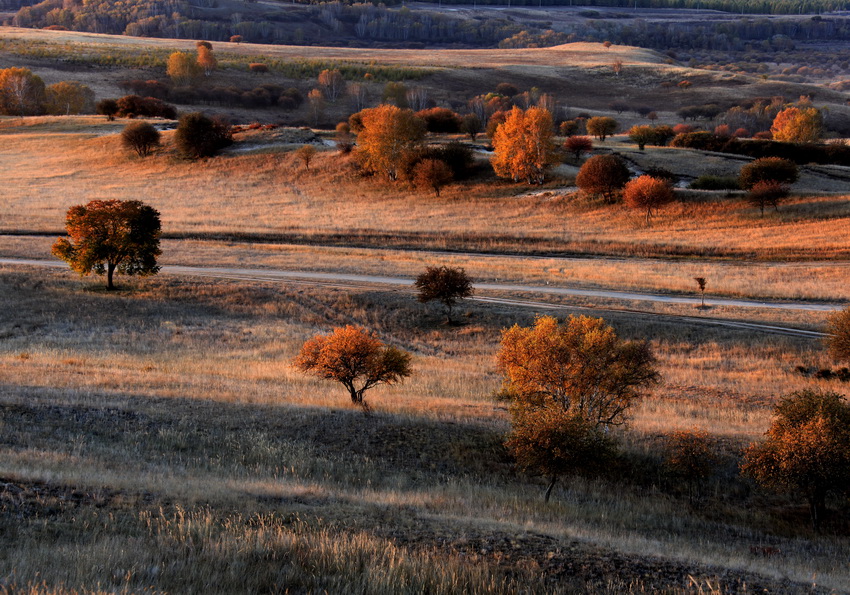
column 806, row 450
column 354, row 357
column 580, row 365
column 647, row 193
column 111, row 235
column 389, row 139
column 603, row 175
column 798, row 125
column 443, row 284
column 523, row 146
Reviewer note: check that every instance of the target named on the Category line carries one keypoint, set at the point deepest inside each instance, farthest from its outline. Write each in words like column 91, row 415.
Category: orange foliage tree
column 578, row 145
column 389, row 140
column 807, row 449
column 603, row 175
column 354, row 357
column 333, row 83
column 110, row 235
column 69, row 97
column 433, row 174
column 567, row 384
column 647, row 193
column 798, row 125
column 523, row 146
column 206, row 60
column 21, row 92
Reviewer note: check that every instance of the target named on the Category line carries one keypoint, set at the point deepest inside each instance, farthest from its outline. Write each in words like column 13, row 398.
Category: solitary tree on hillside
column 807, row 449
column 444, row 284
column 603, row 175
column 691, row 457
column 106, row 236
column 305, row 153
column 647, row 193
column 354, row 357
column 140, row 137
column 567, row 384
column 767, row 192
column 523, row 146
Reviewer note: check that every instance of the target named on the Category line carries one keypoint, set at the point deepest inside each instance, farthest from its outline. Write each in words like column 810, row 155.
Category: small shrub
column 140, row 137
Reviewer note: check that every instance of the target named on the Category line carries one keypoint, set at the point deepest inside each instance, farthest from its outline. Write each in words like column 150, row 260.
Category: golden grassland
column 269, row 192
column 152, row 460
column 583, row 54
column 157, row 438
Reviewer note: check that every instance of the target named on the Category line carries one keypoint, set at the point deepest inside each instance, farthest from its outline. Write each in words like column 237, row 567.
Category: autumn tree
column 798, row 125
column 106, row 236
column 647, row 193
column 523, row 146
column 333, row 83
column 641, row 135
column 838, row 337
column 552, row 442
column 316, row 101
column 601, row 127
column 207, row 62
column 389, row 140
column 568, row 383
column 580, row 365
column 140, row 137
column 305, row 154
column 767, row 192
column 471, row 124
column 359, row 94
column 200, row 136
column 68, row 97
column 768, row 169
column 603, row 175
column 444, row 284
column 578, row 145
column 21, row 92
column 432, row 174
column 354, row 357
column 108, row 108
column 701, row 285
column 806, row 450
column 182, row 68
column 235, row 39
column 344, row 138
column 691, row 457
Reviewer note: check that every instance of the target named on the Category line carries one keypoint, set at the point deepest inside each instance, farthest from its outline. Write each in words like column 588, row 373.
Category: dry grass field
column 157, row 439
column 124, row 432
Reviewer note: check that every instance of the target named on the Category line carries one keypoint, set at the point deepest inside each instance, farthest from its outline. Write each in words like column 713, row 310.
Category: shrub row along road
column 348, row 280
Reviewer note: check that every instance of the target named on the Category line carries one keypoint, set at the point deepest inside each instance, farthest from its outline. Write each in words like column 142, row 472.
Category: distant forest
column 364, row 25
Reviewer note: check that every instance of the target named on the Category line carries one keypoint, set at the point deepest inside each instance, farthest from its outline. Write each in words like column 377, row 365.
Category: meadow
column 158, row 438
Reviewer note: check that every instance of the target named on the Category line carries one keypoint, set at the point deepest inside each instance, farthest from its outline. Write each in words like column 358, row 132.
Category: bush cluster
column 796, row 152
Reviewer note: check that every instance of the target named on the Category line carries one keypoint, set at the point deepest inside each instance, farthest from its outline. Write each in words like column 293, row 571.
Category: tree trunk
column 549, row 489
column 110, row 270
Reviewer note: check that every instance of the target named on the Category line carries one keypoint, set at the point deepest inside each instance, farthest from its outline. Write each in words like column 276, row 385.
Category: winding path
column 348, row 280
